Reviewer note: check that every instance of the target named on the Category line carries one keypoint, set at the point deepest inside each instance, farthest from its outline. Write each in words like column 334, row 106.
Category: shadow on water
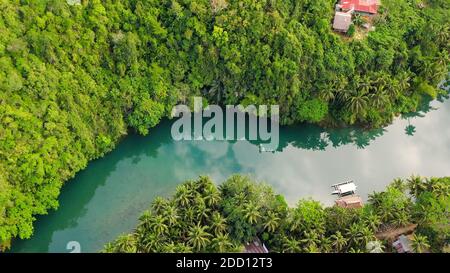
column 77, row 192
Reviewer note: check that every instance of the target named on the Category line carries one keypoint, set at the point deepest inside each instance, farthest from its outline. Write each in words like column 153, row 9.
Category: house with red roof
column 366, row 7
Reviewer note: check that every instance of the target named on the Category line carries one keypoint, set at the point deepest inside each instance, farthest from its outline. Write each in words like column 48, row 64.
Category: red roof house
column 363, row 6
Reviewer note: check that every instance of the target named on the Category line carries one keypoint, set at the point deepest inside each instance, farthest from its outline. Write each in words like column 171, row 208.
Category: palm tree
column 151, row 243
column 159, row 225
column 416, row 185
column 420, row 243
column 198, row 238
column 354, row 233
column 272, row 221
column 443, row 34
column 376, row 199
column 372, row 221
column 212, row 195
column 125, row 244
column 251, row 213
column 171, row 214
column 183, row 248
column 169, row 248
column 202, row 211
column 183, row 195
column 190, row 215
column 310, row 238
column 358, row 104
column 218, row 223
column 109, row 248
column 403, row 80
column 222, row 243
column 295, row 220
column 159, row 204
column 399, row 184
column 312, row 248
column 327, row 95
column 338, row 241
column 401, row 218
column 355, row 250
column 379, row 99
column 291, row 245
column 326, row 245
column 366, row 235
column 146, row 219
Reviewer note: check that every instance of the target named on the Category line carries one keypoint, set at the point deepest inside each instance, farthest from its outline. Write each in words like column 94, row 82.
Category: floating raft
column 350, row 202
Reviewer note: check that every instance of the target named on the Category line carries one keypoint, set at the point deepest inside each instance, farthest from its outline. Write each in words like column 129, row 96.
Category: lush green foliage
column 203, row 218
column 74, row 78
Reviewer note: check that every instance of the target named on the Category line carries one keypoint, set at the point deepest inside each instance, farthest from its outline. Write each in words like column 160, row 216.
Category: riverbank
column 200, row 217
column 107, row 197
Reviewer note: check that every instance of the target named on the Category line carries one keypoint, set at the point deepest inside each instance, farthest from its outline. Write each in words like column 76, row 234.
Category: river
column 106, row 198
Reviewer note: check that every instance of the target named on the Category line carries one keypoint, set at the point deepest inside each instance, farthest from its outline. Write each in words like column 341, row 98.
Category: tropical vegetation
column 74, row 78
column 201, row 217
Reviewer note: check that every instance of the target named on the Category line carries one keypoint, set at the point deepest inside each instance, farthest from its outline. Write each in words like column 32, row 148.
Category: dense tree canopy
column 73, row 78
column 200, row 217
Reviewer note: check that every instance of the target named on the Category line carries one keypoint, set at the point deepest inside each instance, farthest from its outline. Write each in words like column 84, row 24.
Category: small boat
column 344, row 188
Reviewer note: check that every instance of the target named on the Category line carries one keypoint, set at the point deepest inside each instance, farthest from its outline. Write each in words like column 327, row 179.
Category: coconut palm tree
column 169, row 248
column 399, row 184
column 202, row 211
column 401, row 218
column 151, row 243
column 109, row 248
column 372, row 221
column 291, row 245
column 145, row 220
column 218, row 223
column 125, row 244
column 354, row 233
column 338, row 241
column 294, row 220
column 221, row 243
column 251, row 213
column 327, row 95
column 366, row 235
column 376, row 198
column 183, row 248
column 358, row 104
column 171, row 214
column 212, row 195
column 159, row 225
column 310, row 238
column 403, row 80
column 326, row 245
column 312, row 248
column 420, row 243
column 355, row 250
column 416, row 185
column 272, row 221
column 190, row 215
column 198, row 237
column 159, row 204
column 379, row 99
column 183, row 195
